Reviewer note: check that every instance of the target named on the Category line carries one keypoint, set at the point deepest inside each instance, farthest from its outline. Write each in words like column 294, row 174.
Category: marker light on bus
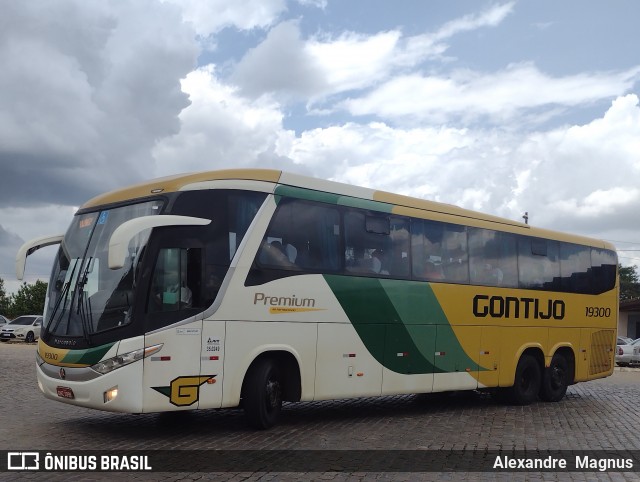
column 110, row 394
column 118, row 361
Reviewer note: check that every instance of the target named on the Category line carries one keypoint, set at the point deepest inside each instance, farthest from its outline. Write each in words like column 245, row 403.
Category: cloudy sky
column 498, row 106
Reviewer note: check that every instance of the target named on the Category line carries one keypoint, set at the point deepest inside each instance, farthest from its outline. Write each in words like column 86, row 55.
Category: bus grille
column 602, row 344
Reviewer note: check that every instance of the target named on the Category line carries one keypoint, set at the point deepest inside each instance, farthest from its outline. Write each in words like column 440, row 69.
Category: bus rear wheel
column 555, row 379
column 527, row 382
column 262, row 394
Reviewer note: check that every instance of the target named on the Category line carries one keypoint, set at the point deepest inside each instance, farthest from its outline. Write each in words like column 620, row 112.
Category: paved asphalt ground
column 596, row 416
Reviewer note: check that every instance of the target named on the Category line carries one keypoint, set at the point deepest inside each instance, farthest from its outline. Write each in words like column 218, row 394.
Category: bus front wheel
column 527, row 381
column 262, row 394
column 555, row 379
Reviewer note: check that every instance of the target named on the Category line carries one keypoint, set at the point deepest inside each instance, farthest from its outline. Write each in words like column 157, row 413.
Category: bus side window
column 538, row 265
column 367, row 243
column 455, row 259
column 398, row 260
column 176, row 280
column 302, row 237
column 376, row 244
column 426, row 250
column 575, row 268
column 604, row 268
column 492, row 258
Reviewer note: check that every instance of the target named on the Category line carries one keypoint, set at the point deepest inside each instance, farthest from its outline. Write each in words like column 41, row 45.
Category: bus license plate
column 65, row 392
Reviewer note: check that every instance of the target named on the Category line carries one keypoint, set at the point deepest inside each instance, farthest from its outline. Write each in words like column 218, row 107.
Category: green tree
column 29, row 300
column 5, row 300
column 629, row 282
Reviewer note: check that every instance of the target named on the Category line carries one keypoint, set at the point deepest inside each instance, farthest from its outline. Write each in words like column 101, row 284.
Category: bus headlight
column 118, row 361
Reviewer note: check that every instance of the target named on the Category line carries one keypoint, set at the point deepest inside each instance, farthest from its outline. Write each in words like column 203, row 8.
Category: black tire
column 262, row 394
column 555, row 379
column 526, row 385
column 4, row 341
column 30, row 338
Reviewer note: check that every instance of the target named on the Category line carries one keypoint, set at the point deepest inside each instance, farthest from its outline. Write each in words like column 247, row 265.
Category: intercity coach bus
column 253, row 287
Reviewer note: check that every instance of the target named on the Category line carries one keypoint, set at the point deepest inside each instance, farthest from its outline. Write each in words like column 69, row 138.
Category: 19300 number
column 597, row 312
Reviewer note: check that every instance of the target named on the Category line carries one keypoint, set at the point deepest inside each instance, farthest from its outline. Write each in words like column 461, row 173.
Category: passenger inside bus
column 489, row 274
column 378, row 262
column 275, row 254
column 175, row 292
column 433, row 272
column 170, row 290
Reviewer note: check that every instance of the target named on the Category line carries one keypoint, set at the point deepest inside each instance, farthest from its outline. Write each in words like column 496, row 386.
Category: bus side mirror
column 30, row 247
column 119, row 241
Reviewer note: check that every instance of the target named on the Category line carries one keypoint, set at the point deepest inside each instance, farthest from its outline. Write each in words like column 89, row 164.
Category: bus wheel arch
column 271, row 378
column 528, row 377
column 558, row 375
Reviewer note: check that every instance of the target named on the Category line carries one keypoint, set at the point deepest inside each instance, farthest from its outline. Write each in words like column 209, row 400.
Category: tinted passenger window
column 439, row 251
column 365, row 247
column 302, row 236
column 376, row 244
column 538, row 264
column 605, row 266
column 492, row 258
column 575, row 268
column 398, row 258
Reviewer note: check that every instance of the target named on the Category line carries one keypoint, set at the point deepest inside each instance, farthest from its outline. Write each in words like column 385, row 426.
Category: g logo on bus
column 185, row 391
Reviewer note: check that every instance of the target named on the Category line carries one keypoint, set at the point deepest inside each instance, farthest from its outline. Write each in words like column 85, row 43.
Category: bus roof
column 400, row 204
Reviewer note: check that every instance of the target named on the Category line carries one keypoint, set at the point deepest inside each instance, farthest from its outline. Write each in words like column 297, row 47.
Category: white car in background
column 628, row 354
column 3, row 320
column 25, row 328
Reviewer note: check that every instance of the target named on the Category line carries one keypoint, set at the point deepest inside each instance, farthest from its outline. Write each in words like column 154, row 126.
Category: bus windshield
column 84, row 295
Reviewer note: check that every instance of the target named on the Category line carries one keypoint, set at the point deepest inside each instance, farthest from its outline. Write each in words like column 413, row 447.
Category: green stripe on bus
column 398, row 321
column 330, row 198
column 90, row 356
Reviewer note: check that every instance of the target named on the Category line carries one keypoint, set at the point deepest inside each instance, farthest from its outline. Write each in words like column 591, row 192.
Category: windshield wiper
column 63, row 297
column 85, row 321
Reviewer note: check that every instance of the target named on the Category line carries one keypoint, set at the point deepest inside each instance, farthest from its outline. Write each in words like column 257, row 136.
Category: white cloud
column 467, row 95
column 354, row 61
column 318, row 67
column 602, row 202
column 210, row 16
column 328, row 64
column 376, row 155
column 322, row 4
column 280, row 65
column 491, row 17
column 580, row 175
column 221, row 129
